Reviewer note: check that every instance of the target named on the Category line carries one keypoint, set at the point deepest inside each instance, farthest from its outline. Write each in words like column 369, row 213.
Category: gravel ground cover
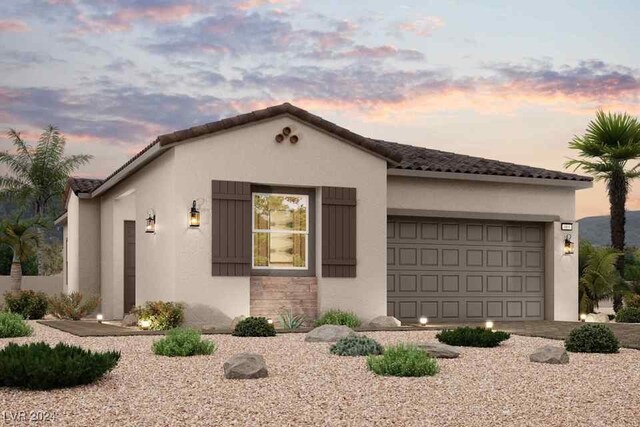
column 309, row 386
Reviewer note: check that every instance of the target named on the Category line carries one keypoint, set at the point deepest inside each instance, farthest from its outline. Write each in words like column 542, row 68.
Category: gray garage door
column 464, row 270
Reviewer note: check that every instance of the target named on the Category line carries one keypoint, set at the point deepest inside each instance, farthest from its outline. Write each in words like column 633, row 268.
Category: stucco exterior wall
column 73, row 243
column 50, row 285
column 549, row 204
column 480, row 197
column 150, row 188
column 89, row 246
column 251, row 154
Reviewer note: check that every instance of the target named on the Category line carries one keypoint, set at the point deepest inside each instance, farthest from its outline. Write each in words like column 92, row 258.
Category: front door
column 129, row 265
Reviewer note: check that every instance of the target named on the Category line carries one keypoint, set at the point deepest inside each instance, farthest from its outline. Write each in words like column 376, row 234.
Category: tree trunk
column 16, row 276
column 618, row 188
column 39, row 211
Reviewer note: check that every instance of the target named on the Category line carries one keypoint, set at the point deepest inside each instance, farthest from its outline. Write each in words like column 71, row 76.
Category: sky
column 508, row 80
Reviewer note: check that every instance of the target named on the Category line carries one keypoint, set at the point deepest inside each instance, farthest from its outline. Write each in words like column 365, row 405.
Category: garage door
column 464, row 270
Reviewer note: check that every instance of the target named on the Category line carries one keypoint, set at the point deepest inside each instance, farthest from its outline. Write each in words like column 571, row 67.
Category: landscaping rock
column 245, row 366
column 439, row 350
column 130, row 319
column 597, row 318
column 384, row 322
column 550, row 354
column 328, row 333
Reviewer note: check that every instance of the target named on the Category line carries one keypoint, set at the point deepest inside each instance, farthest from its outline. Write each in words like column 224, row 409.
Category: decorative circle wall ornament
column 286, row 134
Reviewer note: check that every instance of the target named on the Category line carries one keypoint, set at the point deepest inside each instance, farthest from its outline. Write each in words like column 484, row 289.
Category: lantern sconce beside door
column 569, row 246
column 151, row 222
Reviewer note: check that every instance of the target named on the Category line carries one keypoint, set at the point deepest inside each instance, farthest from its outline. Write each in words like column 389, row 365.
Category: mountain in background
column 596, row 229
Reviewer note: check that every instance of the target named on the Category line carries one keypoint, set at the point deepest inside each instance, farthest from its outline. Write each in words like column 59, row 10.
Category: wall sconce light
column 568, row 245
column 151, row 222
column 194, row 216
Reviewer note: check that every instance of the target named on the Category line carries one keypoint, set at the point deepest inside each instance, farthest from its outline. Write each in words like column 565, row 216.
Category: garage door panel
column 465, row 269
column 471, row 233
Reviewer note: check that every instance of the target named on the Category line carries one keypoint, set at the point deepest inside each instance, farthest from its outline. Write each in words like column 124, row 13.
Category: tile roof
column 84, row 185
column 399, row 156
column 426, row 159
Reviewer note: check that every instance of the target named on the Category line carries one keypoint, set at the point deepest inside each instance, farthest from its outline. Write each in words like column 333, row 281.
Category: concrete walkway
column 627, row 333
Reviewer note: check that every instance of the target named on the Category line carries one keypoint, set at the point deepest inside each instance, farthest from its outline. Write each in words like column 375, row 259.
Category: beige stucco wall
column 73, row 249
column 428, row 196
column 561, row 275
column 50, row 285
column 150, row 188
column 251, row 154
column 480, row 197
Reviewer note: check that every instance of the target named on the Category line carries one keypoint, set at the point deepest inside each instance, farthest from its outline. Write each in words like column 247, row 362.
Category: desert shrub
column 472, row 337
column 339, row 317
column 29, row 304
column 254, row 327
column 356, row 346
column 592, row 338
column 403, row 361
column 183, row 342
column 160, row 315
column 288, row 320
column 38, row 366
column 628, row 315
column 632, row 300
column 13, row 325
column 73, row 306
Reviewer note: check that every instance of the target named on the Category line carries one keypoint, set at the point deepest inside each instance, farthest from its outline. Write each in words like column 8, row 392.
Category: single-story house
column 279, row 209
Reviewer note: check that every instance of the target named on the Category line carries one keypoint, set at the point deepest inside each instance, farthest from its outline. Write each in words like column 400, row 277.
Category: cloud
column 13, row 26
column 423, row 26
column 380, row 52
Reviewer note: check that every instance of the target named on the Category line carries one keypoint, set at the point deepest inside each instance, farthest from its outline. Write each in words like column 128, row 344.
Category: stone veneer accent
column 270, row 296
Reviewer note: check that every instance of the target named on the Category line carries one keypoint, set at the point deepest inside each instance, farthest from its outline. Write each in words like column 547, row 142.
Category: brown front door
column 129, row 265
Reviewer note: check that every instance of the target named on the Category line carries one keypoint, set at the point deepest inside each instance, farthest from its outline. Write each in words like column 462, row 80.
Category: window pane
column 280, row 212
column 279, row 250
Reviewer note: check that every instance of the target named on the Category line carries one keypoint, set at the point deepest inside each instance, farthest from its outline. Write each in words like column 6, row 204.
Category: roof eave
column 576, row 184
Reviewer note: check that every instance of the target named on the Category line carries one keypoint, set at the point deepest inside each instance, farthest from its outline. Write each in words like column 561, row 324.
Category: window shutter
column 231, row 228
column 338, row 232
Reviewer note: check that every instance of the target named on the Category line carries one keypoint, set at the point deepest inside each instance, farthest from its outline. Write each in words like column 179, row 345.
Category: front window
column 280, row 231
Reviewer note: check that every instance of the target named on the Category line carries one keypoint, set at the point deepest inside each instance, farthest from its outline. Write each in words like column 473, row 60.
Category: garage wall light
column 569, row 246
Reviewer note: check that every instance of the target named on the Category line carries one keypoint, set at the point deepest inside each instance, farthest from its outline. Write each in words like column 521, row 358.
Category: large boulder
column 597, row 318
column 439, row 350
column 130, row 319
column 328, row 333
column 384, row 322
column 244, row 366
column 550, row 354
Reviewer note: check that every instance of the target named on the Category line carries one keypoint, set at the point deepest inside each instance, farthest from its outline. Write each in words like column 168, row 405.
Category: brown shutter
column 231, row 225
column 338, row 232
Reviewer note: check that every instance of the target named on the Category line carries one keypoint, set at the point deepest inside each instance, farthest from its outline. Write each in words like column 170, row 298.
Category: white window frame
column 254, row 231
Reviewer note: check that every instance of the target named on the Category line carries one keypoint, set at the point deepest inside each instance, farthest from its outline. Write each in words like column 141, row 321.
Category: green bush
column 339, row 317
column 472, row 337
column 403, row 361
column 73, row 306
column 356, row 346
column 592, row 338
column 254, row 327
column 183, row 342
column 38, row 366
column 13, row 325
column 160, row 315
column 628, row 315
column 28, row 304
column 632, row 300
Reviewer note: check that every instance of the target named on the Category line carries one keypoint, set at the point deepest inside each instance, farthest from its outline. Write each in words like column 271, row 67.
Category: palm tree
column 38, row 175
column 609, row 144
column 599, row 277
column 23, row 238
